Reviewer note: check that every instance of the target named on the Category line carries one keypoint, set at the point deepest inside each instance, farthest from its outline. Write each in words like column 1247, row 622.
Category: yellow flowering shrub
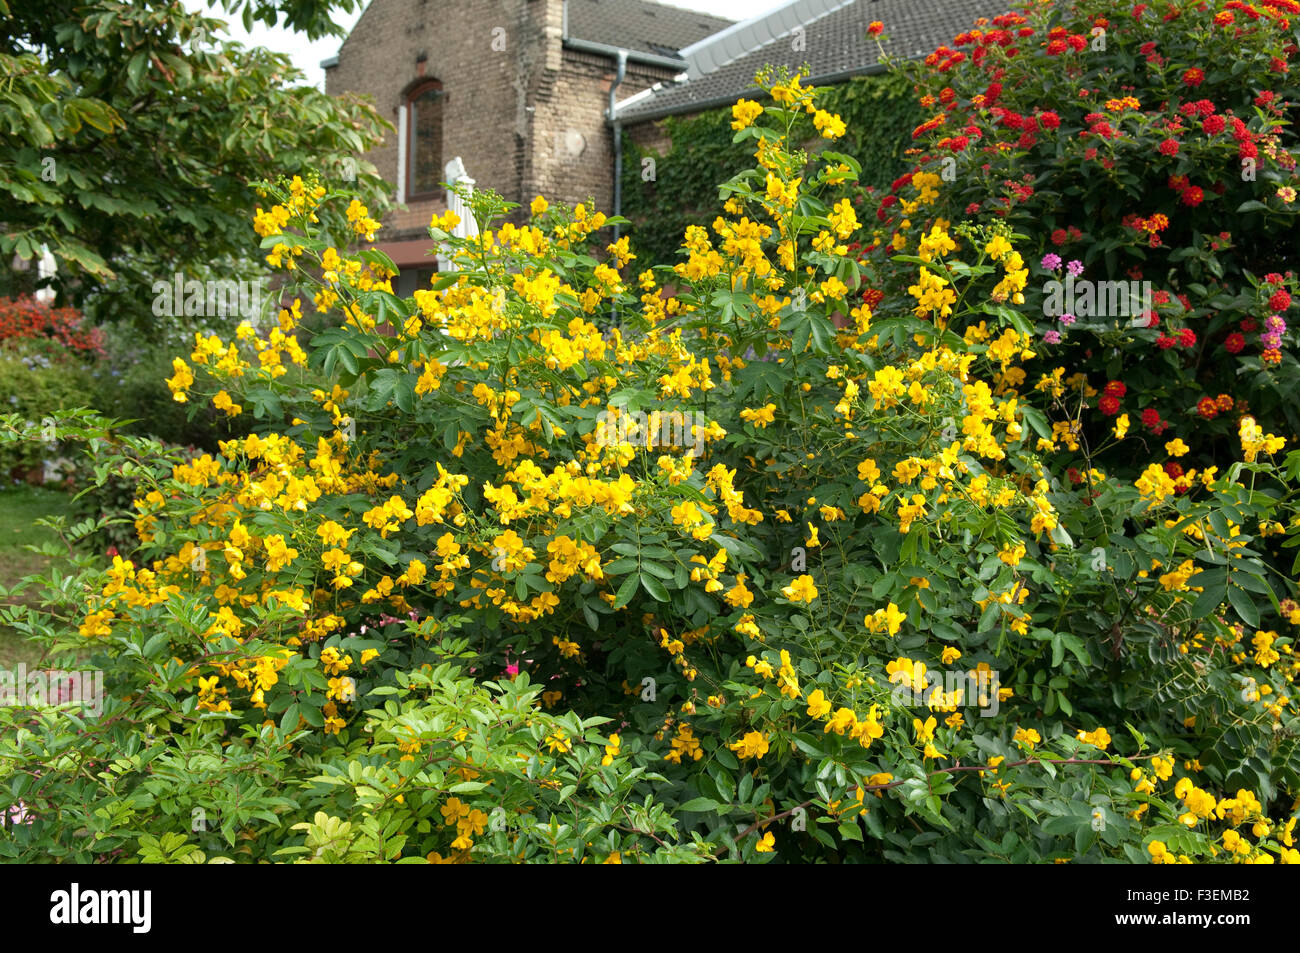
column 571, row 557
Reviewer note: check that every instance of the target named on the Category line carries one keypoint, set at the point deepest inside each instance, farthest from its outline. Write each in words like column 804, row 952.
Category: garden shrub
column 1147, row 144
column 765, row 572
column 879, row 113
column 39, row 375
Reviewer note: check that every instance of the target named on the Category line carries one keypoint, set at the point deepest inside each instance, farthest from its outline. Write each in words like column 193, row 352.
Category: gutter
column 634, row 56
column 729, row 99
column 611, row 117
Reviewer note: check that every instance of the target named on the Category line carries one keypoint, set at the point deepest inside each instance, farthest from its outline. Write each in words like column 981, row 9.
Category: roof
column 834, row 44
column 639, row 25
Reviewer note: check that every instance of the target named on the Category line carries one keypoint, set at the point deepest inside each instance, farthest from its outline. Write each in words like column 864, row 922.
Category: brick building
column 519, row 89
column 533, row 95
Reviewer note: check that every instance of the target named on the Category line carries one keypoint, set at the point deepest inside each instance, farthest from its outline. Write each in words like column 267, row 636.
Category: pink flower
column 1052, row 337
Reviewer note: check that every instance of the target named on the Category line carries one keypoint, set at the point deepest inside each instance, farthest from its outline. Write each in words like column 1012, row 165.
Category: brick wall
column 485, row 119
column 528, row 119
column 573, row 147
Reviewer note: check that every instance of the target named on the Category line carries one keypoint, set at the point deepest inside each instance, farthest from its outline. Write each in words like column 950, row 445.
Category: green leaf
column 1245, row 606
column 626, row 591
column 700, row 805
column 654, row 587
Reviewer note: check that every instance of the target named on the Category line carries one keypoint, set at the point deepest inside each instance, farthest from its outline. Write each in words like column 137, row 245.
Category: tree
column 130, row 135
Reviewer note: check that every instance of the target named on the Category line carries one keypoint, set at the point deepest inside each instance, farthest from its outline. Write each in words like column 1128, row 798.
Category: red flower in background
column 1234, row 343
column 1116, row 389
column 1168, row 148
column 1213, row 125
column 1193, row 77
column 1108, row 405
column 28, row 318
column 1280, row 300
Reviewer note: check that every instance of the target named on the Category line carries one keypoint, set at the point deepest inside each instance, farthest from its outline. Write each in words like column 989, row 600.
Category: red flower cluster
column 1151, row 420
column 1111, row 396
column 1210, row 407
column 1192, row 195
column 944, row 59
column 1061, row 40
column 28, row 318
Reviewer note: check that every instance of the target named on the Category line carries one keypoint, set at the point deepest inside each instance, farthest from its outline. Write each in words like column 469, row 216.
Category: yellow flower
column 802, row 589
column 924, row 730
column 760, row 417
column 539, row 206
column 753, row 745
column 819, row 705
column 745, row 112
column 831, row 126
column 1098, row 739
column 889, row 619
column 765, row 844
column 1028, row 737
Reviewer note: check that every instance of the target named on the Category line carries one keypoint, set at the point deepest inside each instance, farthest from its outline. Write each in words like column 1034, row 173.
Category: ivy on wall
column 880, row 112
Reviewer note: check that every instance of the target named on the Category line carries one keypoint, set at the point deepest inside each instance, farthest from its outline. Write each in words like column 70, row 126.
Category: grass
column 20, row 508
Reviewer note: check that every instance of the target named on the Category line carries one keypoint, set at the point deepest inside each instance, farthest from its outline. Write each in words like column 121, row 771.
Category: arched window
column 424, row 140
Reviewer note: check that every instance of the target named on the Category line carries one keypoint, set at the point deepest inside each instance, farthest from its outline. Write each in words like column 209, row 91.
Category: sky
column 307, row 55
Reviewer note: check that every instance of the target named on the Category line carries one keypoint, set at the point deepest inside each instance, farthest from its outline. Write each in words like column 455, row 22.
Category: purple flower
column 1052, row 337
column 1075, row 268
column 1051, row 261
column 1067, row 319
column 1273, row 339
column 1276, row 324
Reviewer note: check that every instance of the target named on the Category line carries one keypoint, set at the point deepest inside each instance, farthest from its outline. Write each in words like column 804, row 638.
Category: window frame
column 413, row 93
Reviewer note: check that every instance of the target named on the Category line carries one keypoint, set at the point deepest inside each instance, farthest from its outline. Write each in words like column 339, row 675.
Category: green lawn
column 20, row 508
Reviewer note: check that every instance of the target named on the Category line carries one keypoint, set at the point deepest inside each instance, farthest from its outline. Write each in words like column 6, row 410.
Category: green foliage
column 129, row 144
column 880, row 112
column 1146, row 154
column 763, row 574
column 38, row 377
